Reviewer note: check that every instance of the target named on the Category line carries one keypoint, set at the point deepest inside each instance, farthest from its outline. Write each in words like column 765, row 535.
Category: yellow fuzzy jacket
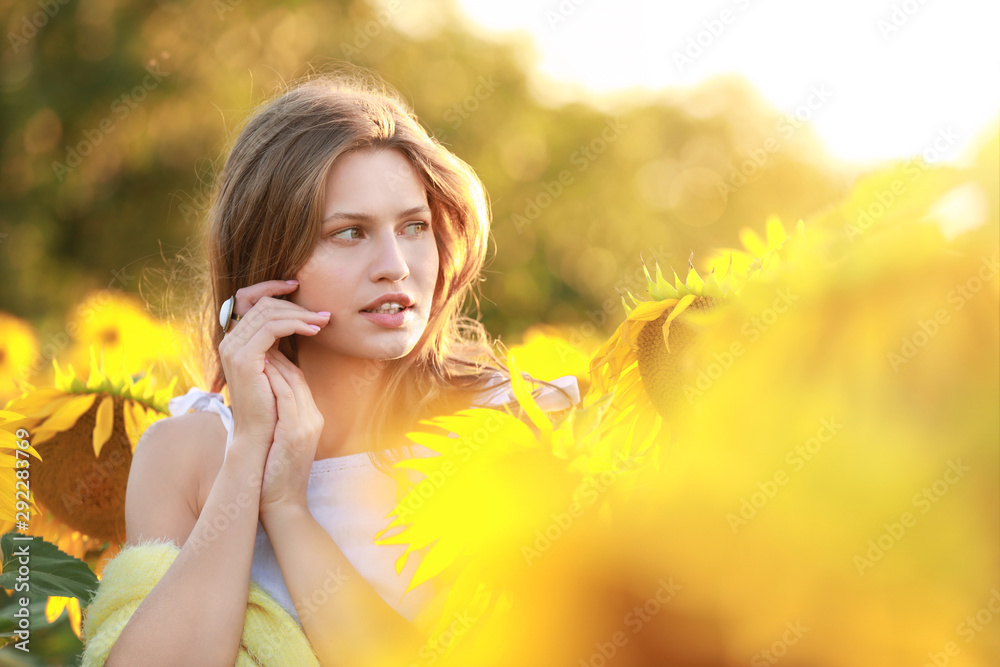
column 271, row 637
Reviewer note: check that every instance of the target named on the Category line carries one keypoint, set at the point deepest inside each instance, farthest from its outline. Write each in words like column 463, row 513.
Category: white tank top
column 351, row 499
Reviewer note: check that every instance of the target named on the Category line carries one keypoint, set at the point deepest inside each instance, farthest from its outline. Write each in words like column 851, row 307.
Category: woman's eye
column 420, row 227
column 349, row 231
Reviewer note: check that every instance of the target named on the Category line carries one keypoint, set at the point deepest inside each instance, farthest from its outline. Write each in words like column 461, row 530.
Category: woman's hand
column 242, row 350
column 296, row 435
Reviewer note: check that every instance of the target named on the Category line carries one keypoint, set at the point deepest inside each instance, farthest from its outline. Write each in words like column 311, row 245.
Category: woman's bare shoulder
column 173, row 468
column 199, row 441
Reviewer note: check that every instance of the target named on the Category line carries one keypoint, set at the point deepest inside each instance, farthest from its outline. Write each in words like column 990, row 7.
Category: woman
column 350, row 240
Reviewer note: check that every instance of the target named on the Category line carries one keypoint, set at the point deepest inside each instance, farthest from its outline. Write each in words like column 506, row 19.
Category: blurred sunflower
column 819, row 521
column 644, row 362
column 119, row 326
column 482, row 509
column 84, row 435
column 757, row 251
column 19, row 351
column 549, row 352
column 57, row 604
column 637, row 362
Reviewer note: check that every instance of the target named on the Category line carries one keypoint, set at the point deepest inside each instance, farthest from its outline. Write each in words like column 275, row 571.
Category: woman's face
column 377, row 239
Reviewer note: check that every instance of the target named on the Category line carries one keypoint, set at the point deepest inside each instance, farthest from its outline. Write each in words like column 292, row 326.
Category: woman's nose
column 390, row 262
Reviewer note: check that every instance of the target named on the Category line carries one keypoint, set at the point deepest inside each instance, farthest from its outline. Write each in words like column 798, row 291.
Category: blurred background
column 605, row 133
column 678, row 124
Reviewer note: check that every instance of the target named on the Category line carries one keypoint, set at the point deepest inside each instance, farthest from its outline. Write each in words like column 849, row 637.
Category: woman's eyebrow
column 366, row 217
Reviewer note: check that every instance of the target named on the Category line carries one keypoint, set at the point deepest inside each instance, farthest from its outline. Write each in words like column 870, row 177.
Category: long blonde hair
column 266, row 214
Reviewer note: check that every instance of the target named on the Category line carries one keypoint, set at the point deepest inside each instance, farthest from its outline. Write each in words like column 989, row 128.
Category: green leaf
column 51, row 571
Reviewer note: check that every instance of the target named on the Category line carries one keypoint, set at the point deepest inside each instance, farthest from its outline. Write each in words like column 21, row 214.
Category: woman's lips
column 390, row 320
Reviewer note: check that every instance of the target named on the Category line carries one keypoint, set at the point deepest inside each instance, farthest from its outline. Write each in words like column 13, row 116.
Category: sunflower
column 84, row 435
column 119, row 326
column 55, row 606
column 19, row 352
column 812, row 506
column 548, row 352
column 498, row 479
column 639, row 360
column 643, row 362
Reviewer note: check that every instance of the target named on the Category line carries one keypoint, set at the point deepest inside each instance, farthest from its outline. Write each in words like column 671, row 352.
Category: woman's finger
column 246, row 297
column 260, row 337
column 283, row 393
column 293, row 375
column 268, row 308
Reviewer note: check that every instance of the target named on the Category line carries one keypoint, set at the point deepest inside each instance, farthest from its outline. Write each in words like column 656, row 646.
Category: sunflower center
column 663, row 372
column 84, row 492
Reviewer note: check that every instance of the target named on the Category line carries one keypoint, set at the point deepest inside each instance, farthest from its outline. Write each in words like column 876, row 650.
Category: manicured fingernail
column 314, row 327
column 323, row 312
column 292, row 282
column 266, row 361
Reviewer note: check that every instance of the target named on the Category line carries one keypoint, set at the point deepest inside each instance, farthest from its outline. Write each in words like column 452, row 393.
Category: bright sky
column 897, row 71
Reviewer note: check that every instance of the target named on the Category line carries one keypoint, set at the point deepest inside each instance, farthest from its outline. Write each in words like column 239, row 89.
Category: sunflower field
column 788, row 444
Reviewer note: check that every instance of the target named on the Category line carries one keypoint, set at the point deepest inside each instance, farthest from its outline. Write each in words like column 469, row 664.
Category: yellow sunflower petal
column 9, row 440
column 753, row 243
column 102, row 426
column 776, row 233
column 54, row 607
column 75, row 616
column 401, row 561
column 36, row 400
column 650, row 310
column 141, row 419
column 67, row 414
column 535, row 413
column 442, row 555
column 42, row 435
column 131, row 424
column 678, row 309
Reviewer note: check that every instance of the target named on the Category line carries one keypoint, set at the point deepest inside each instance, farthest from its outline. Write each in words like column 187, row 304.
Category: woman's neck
column 344, row 389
